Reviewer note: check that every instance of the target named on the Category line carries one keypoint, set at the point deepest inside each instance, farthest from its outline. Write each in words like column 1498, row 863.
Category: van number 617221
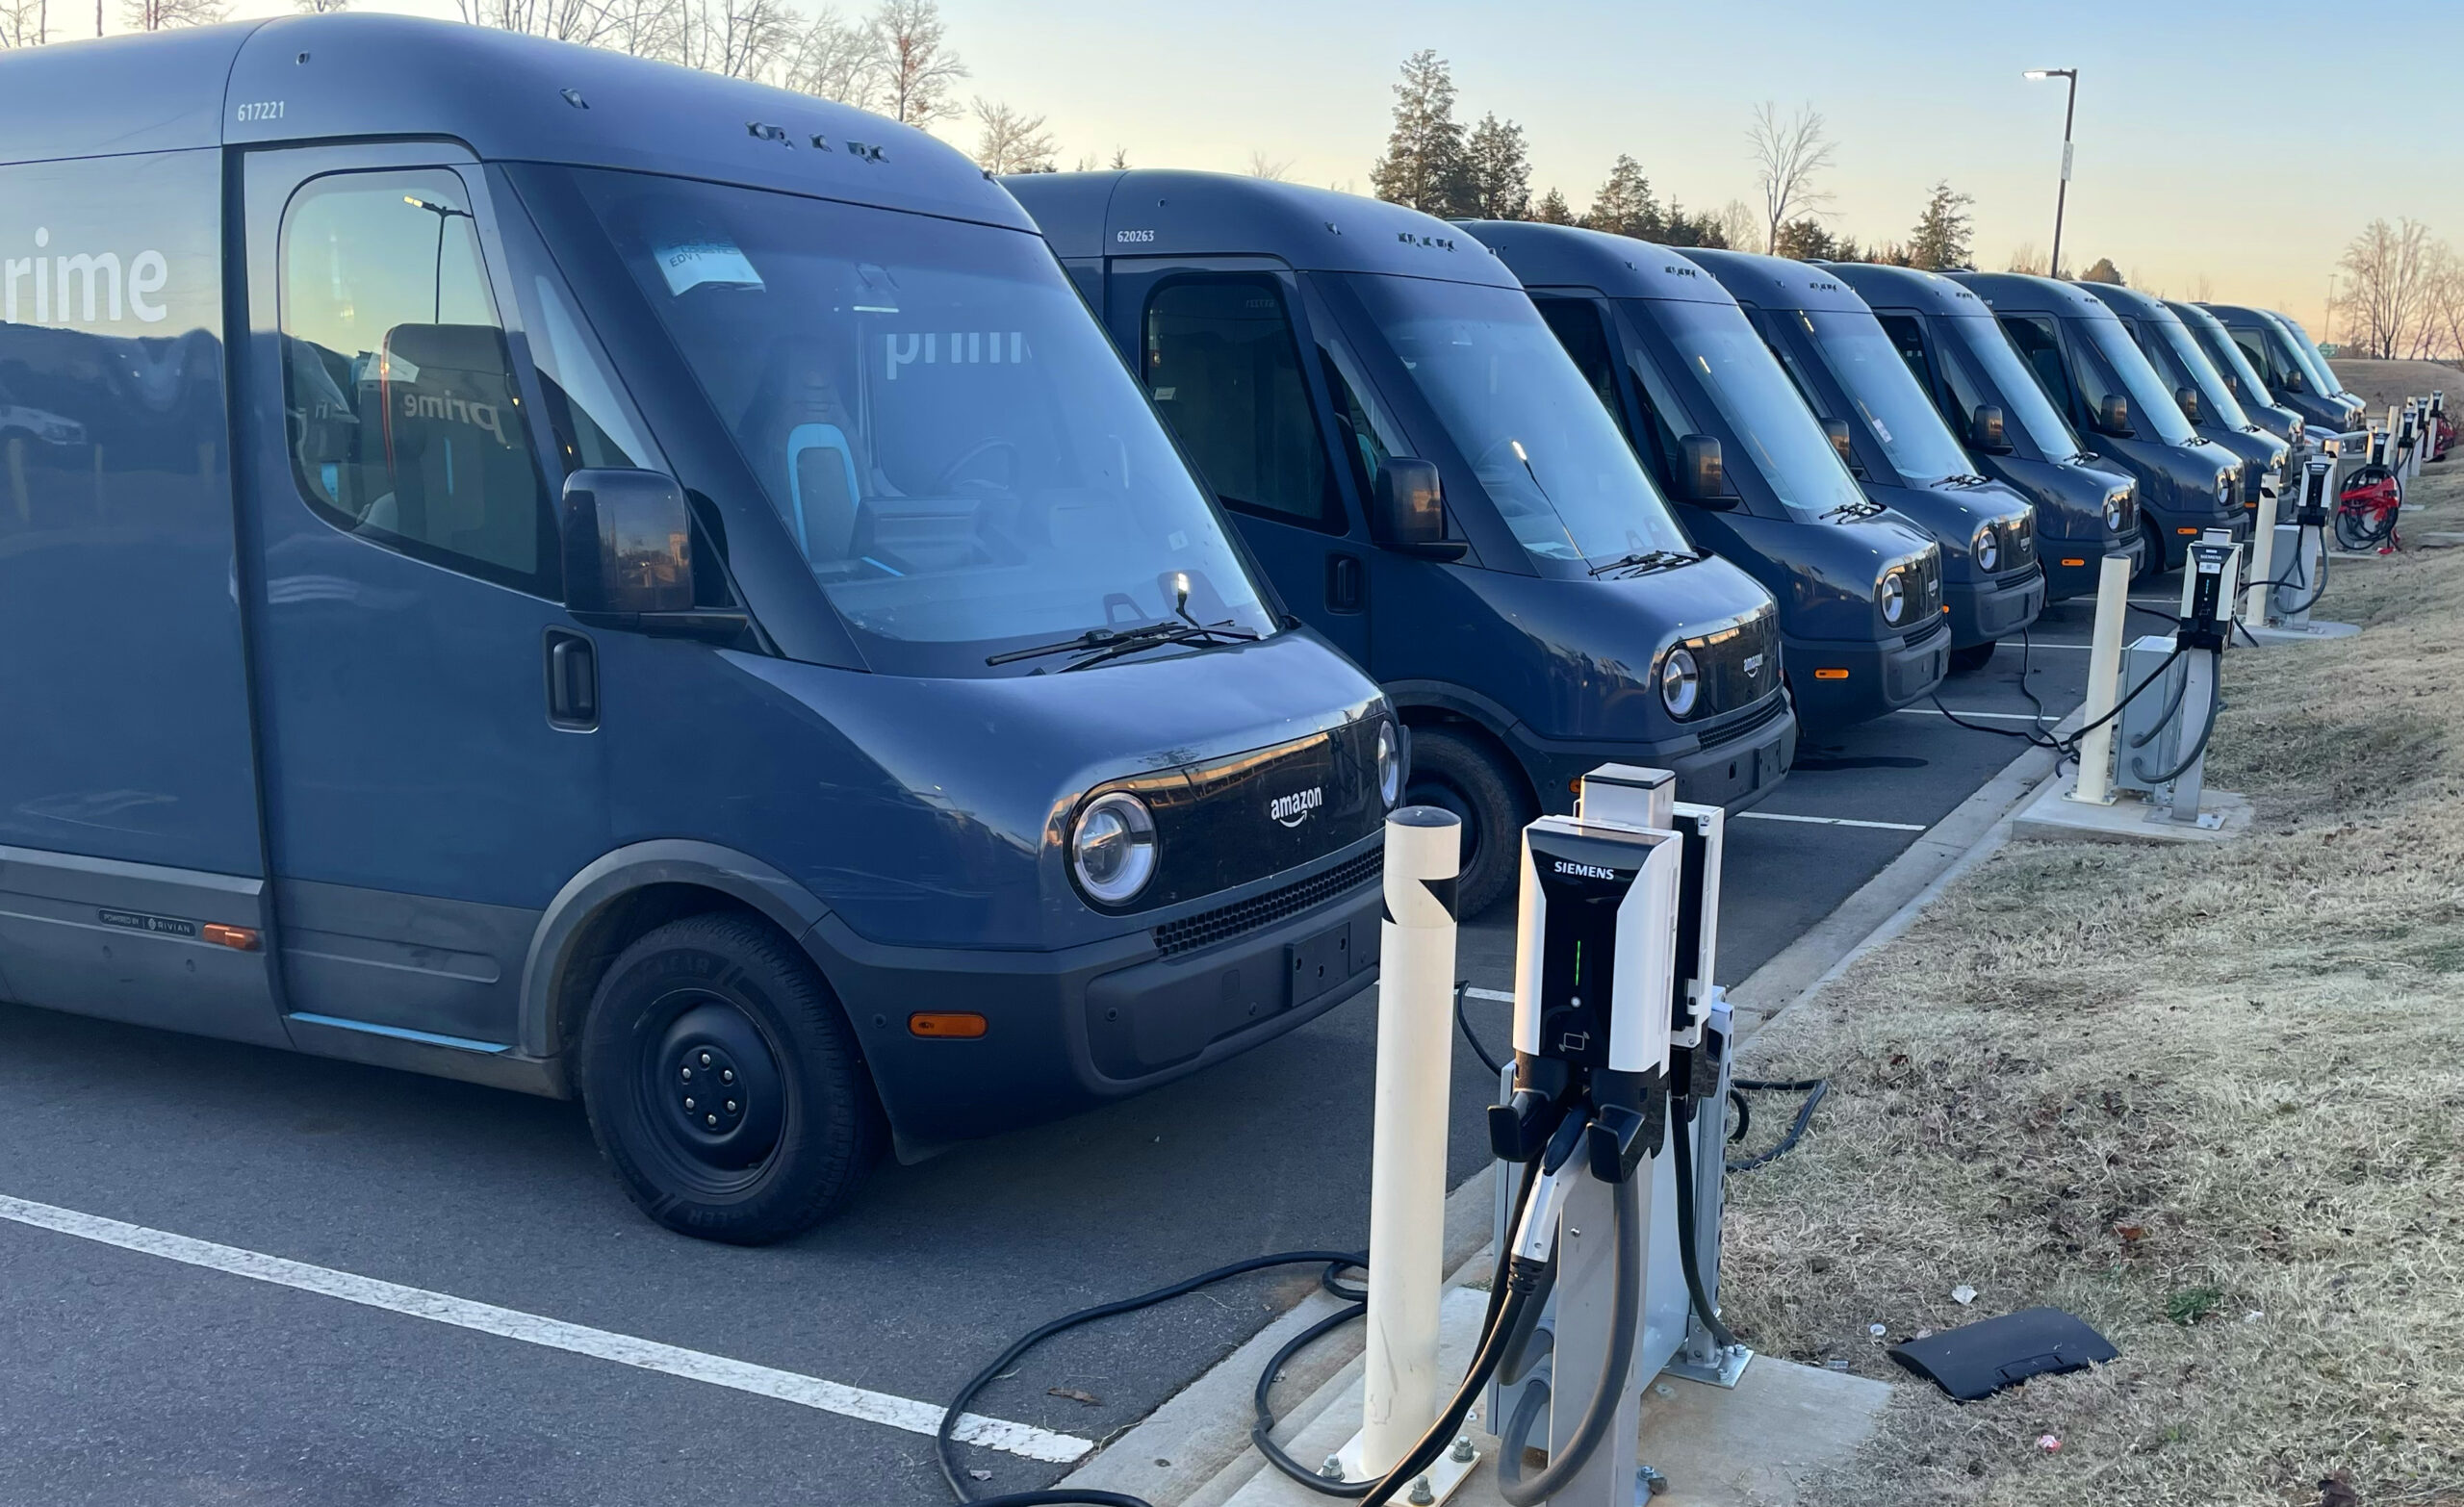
column 260, row 109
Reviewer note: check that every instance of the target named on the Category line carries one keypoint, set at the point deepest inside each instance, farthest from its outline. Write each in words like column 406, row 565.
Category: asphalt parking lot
column 235, row 1275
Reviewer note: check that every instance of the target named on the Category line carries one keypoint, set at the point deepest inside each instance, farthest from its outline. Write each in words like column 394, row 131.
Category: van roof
column 2130, row 301
column 1882, row 285
column 2240, row 315
column 505, row 95
column 1164, row 212
column 1620, row 266
column 2005, row 292
column 1776, row 282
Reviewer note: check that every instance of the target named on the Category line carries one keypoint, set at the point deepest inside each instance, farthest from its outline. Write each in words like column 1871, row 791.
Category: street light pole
column 2060, row 193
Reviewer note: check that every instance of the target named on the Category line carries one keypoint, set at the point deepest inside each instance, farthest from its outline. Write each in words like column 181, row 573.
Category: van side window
column 2036, row 341
column 1909, row 339
column 404, row 420
column 1223, row 366
column 1366, row 436
column 2255, row 350
column 1666, row 418
column 1576, row 325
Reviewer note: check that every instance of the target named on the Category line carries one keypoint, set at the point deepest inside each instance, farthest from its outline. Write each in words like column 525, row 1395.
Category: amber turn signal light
column 239, row 938
column 946, row 1025
column 1831, row 675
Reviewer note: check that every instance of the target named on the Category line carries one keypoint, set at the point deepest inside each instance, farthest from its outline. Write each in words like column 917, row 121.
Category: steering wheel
column 949, row 477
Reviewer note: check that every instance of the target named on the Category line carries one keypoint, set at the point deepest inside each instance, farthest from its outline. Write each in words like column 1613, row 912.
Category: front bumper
column 1881, row 676
column 2063, row 580
column 1984, row 611
column 2177, row 543
column 1733, row 765
column 1069, row 1030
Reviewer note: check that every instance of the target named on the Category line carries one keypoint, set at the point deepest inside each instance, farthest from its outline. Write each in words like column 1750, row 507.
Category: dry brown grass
column 2386, row 384
column 2209, row 1100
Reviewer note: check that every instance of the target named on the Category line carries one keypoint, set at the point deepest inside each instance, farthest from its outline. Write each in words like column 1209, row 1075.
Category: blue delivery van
column 2250, row 390
column 2294, row 371
column 2085, row 508
column 1863, row 624
column 2200, row 389
column 1852, row 378
column 1404, row 444
column 585, row 576
column 2091, row 370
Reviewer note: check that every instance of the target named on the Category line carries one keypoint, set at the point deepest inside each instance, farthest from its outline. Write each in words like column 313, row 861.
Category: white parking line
column 554, row 1334
column 1928, row 711
column 1499, row 995
column 1832, row 821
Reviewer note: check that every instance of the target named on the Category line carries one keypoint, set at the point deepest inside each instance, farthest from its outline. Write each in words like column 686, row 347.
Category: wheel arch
column 625, row 893
column 1430, row 703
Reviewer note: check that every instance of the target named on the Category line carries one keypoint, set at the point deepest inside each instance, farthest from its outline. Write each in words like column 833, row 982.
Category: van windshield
column 1870, row 370
column 1516, row 406
column 2110, row 363
column 1727, row 360
column 2225, row 354
column 2021, row 396
column 2169, row 346
column 2306, row 352
column 956, row 451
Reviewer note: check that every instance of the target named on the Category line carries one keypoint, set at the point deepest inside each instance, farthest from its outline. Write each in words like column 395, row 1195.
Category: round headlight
column 2113, row 512
column 1681, row 682
column 1112, row 847
column 1390, row 766
column 1989, row 549
column 2224, row 489
column 1894, row 596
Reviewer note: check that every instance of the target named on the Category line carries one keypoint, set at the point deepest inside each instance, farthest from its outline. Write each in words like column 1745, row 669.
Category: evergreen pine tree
column 1553, row 210
column 1624, row 206
column 1941, row 236
column 1499, row 169
column 1425, row 166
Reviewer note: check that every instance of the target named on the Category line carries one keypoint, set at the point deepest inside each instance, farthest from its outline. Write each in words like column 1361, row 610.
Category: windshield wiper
column 1101, row 644
column 1865, row 507
column 1647, row 560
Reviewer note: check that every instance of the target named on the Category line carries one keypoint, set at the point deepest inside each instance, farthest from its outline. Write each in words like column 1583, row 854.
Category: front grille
column 1225, row 922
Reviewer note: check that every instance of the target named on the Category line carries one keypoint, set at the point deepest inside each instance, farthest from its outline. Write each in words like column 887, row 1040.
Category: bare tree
column 740, row 38
column 837, row 59
column 1012, row 140
column 1274, row 169
column 2386, row 285
column 163, row 16
column 2442, row 305
column 24, row 23
column 1739, row 225
column 1788, row 156
column 918, row 67
column 2026, row 257
column 584, row 21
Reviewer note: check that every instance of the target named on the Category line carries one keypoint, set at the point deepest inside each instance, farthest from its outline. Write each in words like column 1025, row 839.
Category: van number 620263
column 260, row 109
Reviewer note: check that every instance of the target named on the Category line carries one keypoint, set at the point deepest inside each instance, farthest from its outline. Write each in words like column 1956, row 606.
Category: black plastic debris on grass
column 1979, row 1360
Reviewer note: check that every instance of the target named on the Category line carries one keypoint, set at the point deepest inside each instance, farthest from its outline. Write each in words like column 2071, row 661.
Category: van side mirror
column 1985, row 429
column 1702, row 476
column 1838, row 430
column 2113, row 414
column 627, row 538
column 2188, row 400
column 1407, row 509
column 2291, row 381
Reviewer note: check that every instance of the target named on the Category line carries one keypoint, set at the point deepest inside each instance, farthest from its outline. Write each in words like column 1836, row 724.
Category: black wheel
column 724, row 1084
column 1459, row 774
column 2151, row 563
column 1975, row 657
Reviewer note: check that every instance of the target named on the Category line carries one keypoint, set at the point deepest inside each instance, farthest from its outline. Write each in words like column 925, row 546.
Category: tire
column 1975, row 657
column 725, row 997
column 1460, row 775
column 2151, row 564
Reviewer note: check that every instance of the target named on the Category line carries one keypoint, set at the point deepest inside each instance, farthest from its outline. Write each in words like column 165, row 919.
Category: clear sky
column 2228, row 149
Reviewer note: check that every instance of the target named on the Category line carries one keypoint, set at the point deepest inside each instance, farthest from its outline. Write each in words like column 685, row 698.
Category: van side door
column 131, row 869
column 1219, row 349
column 429, row 712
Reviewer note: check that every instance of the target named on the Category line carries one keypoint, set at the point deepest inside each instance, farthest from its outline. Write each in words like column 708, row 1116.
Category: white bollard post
column 2262, row 559
column 2096, row 785
column 1408, row 1167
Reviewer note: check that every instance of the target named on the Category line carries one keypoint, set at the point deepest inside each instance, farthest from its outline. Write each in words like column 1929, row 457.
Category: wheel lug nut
column 705, row 1059
column 727, row 1075
column 711, row 1118
column 688, row 1103
column 730, row 1106
column 688, row 1075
